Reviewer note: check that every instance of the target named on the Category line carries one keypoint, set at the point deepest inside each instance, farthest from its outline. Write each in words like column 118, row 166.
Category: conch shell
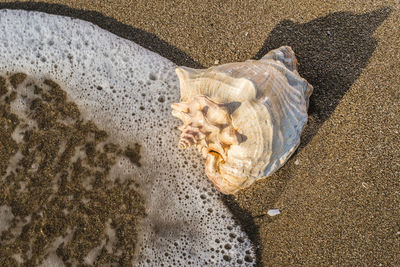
column 245, row 118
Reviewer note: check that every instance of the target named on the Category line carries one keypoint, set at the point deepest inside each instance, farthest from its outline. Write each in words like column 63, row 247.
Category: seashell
column 245, row 118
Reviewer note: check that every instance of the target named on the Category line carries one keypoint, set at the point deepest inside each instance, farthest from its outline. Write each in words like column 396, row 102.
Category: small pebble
column 273, row 212
column 216, row 62
column 297, row 162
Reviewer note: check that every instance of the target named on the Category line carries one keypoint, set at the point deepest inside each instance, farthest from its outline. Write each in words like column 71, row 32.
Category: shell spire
column 245, row 118
column 206, row 124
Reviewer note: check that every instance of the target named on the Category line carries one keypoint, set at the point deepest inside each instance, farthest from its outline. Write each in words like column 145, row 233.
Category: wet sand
column 49, row 148
column 339, row 195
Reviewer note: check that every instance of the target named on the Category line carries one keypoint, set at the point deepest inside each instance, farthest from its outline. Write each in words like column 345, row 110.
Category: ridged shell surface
column 267, row 101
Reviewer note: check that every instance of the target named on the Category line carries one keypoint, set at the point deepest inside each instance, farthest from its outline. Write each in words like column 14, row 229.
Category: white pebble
column 273, row 212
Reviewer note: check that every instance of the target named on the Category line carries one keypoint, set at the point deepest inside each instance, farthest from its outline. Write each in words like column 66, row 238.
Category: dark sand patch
column 59, row 188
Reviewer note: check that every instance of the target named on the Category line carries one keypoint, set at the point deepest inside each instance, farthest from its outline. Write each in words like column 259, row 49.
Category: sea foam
column 127, row 91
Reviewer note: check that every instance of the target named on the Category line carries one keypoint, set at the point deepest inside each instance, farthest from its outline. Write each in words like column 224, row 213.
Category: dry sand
column 339, row 195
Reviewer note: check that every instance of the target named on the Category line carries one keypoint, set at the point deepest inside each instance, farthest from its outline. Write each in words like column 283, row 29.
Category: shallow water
column 126, row 91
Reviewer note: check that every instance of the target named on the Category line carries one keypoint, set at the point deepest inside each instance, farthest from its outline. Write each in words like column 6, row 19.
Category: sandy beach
column 339, row 195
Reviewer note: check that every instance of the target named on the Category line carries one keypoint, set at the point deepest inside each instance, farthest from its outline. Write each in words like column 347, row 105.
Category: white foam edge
column 187, row 223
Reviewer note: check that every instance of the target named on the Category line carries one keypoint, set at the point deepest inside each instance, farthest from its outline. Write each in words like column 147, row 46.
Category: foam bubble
column 127, row 90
